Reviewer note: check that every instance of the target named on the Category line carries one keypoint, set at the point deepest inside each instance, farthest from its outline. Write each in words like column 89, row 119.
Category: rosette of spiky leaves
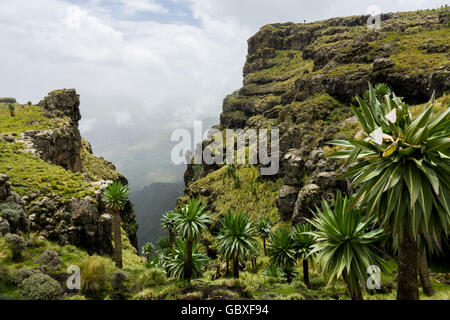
column 405, row 166
column 264, row 227
column 381, row 89
column 168, row 220
column 173, row 260
column 303, row 241
column 344, row 244
column 192, row 220
column 163, row 243
column 148, row 250
column 115, row 196
column 272, row 270
column 281, row 248
column 237, row 236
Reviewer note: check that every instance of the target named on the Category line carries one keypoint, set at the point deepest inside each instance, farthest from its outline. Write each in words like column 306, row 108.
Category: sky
column 145, row 67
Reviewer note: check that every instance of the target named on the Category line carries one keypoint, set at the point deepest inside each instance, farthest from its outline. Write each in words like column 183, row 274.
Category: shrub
column 50, row 259
column 5, row 276
column 164, row 243
column 118, row 283
column 16, row 245
column 40, row 286
column 150, row 278
column 93, row 278
column 23, row 273
column 272, row 270
column 118, row 280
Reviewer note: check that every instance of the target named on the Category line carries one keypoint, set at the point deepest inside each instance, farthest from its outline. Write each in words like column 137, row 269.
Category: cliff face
column 51, row 183
column 302, row 79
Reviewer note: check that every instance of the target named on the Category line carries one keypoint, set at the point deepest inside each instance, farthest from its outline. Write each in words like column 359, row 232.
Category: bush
column 118, row 283
column 50, row 259
column 272, row 270
column 118, row 280
column 5, row 276
column 94, row 278
column 40, row 287
column 150, row 278
column 16, row 245
column 164, row 243
column 23, row 273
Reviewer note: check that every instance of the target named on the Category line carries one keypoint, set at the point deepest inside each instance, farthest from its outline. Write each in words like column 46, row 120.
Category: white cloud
column 87, row 125
column 133, row 6
column 122, row 119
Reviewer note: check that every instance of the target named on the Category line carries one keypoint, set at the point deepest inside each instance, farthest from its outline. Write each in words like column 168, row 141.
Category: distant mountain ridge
column 150, row 203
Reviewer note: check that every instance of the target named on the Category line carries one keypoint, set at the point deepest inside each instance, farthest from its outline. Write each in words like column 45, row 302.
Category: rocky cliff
column 50, row 182
column 302, row 79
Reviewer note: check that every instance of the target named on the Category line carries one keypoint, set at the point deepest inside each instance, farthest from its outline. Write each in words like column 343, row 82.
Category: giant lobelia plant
column 403, row 175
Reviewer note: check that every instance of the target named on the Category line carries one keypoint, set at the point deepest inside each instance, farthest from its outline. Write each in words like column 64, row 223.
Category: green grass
column 30, row 174
column 27, row 118
column 409, row 57
column 95, row 167
column 286, row 64
column 229, row 197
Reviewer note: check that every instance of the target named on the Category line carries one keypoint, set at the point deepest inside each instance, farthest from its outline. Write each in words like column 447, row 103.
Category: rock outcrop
column 13, row 217
column 81, row 220
column 302, row 79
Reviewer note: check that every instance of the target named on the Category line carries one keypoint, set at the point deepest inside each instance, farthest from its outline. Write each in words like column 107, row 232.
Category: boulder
column 5, row 187
column 293, row 166
column 308, row 197
column 382, row 63
column 285, row 201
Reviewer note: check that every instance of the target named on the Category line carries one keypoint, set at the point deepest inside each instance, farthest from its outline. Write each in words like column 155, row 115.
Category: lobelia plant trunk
column 424, row 275
column 227, row 268
column 117, row 240
column 171, row 239
column 355, row 294
column 407, row 284
column 236, row 267
column 306, row 273
column 264, row 245
column 188, row 262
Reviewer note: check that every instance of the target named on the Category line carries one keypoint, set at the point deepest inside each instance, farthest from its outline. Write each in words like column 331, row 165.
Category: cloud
column 133, row 6
column 122, row 119
column 87, row 125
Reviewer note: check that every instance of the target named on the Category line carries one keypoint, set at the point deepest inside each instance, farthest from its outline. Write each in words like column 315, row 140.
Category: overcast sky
column 142, row 66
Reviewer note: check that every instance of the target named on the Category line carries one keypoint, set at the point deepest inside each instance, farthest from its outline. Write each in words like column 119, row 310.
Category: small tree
column 148, row 250
column 115, row 197
column 264, row 227
column 12, row 108
column 175, row 263
column 403, row 176
column 281, row 251
column 303, row 245
column 16, row 244
column 343, row 247
column 169, row 223
column 191, row 221
column 236, row 239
